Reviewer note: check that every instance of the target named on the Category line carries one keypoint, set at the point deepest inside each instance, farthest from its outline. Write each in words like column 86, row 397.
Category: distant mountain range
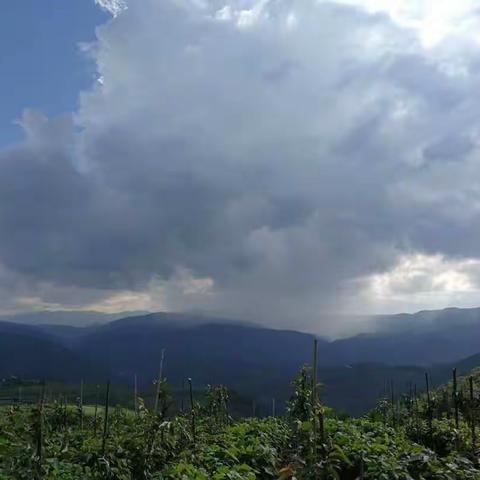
column 71, row 318
column 423, row 338
column 256, row 362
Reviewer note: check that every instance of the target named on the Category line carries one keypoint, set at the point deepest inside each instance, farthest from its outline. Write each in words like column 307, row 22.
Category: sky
column 271, row 160
column 42, row 67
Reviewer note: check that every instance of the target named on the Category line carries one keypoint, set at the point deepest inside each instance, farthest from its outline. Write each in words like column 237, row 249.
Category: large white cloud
column 432, row 20
column 115, row 7
column 259, row 159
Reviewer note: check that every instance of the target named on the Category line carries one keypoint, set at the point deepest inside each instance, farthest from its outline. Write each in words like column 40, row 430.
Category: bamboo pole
column 192, row 413
column 455, row 397
column 415, row 407
column 314, row 371
column 322, row 428
column 429, row 406
column 392, row 395
column 135, row 394
column 314, row 400
column 182, row 400
column 105, row 423
column 159, row 381
column 472, row 417
column 95, row 417
column 65, row 412
column 81, row 404
column 40, row 426
column 427, row 383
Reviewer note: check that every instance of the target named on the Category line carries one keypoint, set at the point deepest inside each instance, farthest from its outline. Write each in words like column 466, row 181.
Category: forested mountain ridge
column 255, row 361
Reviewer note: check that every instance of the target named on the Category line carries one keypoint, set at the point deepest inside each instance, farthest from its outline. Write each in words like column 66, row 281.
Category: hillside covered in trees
column 428, row 434
column 255, row 363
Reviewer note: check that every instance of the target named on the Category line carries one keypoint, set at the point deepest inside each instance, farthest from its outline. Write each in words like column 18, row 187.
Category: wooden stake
column 81, row 404
column 415, row 407
column 192, row 412
column 392, row 393
column 472, row 417
column 65, row 412
column 314, row 372
column 135, row 394
column 40, row 426
column 314, row 398
column 95, row 418
column 429, row 406
column 455, row 397
column 428, row 389
column 182, row 401
column 105, row 423
column 159, row 381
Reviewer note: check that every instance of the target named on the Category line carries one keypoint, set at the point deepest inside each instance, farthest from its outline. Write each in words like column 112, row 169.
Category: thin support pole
column 159, row 381
column 95, row 417
column 135, row 394
column 105, row 422
column 472, row 416
column 192, row 413
column 81, row 404
column 455, row 397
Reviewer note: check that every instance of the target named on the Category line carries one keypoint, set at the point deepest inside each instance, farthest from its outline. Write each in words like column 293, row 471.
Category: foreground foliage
column 397, row 441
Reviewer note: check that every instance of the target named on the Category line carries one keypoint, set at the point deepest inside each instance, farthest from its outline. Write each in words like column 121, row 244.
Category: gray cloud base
column 282, row 152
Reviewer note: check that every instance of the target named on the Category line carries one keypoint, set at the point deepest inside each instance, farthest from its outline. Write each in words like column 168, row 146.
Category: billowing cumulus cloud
column 115, row 7
column 270, row 160
column 424, row 282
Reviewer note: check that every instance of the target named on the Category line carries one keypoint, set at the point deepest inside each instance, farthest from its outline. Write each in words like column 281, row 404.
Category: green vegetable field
column 424, row 436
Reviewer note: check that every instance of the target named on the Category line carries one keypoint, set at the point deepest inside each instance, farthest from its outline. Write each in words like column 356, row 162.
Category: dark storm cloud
column 256, row 160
